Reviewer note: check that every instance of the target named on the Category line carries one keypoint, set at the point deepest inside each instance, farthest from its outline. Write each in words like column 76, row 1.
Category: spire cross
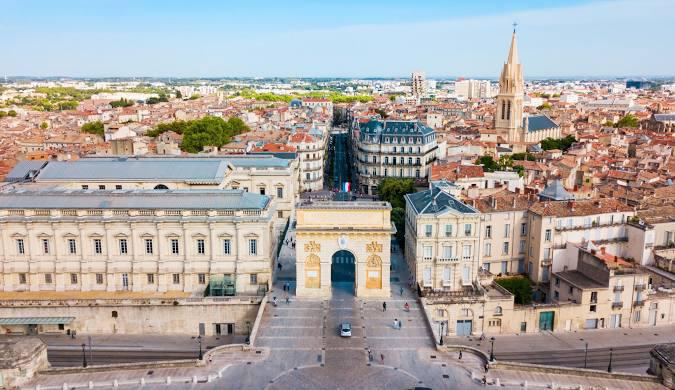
column 515, row 24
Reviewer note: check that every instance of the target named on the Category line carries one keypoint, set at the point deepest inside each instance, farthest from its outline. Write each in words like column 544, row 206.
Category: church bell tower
column 509, row 113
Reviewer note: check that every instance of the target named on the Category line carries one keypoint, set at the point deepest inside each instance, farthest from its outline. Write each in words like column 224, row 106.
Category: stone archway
column 350, row 242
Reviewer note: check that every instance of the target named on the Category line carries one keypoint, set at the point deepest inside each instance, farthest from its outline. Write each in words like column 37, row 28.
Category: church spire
column 513, row 51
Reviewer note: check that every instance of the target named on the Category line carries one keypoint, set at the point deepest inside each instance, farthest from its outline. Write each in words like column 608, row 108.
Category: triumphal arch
column 343, row 242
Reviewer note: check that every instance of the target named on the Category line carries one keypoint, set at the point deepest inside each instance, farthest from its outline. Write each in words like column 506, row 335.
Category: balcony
column 617, row 305
column 546, row 262
column 618, row 288
column 427, row 258
column 639, row 303
column 640, row 287
column 448, row 259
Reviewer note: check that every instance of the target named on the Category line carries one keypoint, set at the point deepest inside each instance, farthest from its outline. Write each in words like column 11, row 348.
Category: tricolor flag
column 346, row 187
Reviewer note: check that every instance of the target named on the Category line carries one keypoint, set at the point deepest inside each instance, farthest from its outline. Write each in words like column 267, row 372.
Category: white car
column 346, row 329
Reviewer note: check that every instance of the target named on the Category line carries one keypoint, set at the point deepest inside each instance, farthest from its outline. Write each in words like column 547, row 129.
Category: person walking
column 288, row 299
column 370, row 355
column 279, row 266
column 382, row 358
column 384, row 306
column 487, row 367
column 400, row 324
column 401, row 290
column 460, row 354
column 395, row 325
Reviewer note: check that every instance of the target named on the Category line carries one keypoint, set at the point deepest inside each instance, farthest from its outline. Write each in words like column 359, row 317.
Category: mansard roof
column 436, row 200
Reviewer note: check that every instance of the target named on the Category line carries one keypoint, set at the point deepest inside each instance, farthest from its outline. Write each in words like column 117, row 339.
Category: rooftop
column 329, row 204
column 435, row 200
column 132, row 199
column 575, row 208
column 579, row 280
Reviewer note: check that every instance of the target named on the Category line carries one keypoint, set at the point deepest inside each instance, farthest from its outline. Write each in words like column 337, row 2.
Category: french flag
column 346, row 187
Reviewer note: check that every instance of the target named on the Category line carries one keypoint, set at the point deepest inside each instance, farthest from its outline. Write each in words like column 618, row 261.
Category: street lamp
column 248, row 326
column 492, row 349
column 199, row 340
column 585, row 355
column 84, row 356
column 441, row 325
column 609, row 367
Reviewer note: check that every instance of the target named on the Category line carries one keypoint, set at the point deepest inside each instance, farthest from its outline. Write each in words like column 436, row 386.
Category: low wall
column 123, row 366
column 503, row 365
column 170, row 317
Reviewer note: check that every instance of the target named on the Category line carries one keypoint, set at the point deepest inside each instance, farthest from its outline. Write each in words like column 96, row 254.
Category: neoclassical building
column 265, row 175
column 135, row 240
column 404, row 149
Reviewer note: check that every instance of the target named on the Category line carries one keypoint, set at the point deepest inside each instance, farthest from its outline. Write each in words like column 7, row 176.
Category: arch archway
column 160, row 187
column 343, row 267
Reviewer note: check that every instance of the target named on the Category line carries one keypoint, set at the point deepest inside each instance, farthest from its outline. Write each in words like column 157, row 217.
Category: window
column 467, row 251
column 427, row 276
column 151, row 278
column 547, row 253
column 254, row 278
column 85, row 187
column 148, row 246
column 280, row 214
column 22, row 278
column 507, row 230
column 176, row 278
column 262, row 190
column 48, row 278
column 101, row 187
column 99, row 278
column 174, row 246
column 417, row 173
column 448, row 230
column 98, row 246
column 594, row 297
column 72, row 246
column 447, row 252
column 488, row 249
column 547, row 235
column 556, row 295
column 45, row 246
column 488, row 231
column 201, row 278
column 227, row 247
column 118, row 186
column 427, row 251
column 201, row 248
column 523, row 229
column 73, row 278
column 498, row 310
column 20, row 247
column 505, row 248
column 253, row 247
column 280, row 192
column 521, row 246
column 571, row 290
column 467, row 229
column 114, row 314
column 123, row 246
column 447, row 276
column 593, row 308
column 427, row 230
column 636, row 316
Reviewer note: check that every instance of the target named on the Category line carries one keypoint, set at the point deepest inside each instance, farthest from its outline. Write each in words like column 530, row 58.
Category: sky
column 346, row 38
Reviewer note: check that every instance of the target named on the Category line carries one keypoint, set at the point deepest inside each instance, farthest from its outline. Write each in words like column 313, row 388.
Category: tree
column 11, row 113
column 523, row 156
column 121, row 103
column 562, row 143
column 179, row 95
column 627, row 121
column 195, row 96
column 3, row 114
column 93, row 128
column 520, row 287
column 210, row 131
column 489, row 165
column 545, row 106
column 44, row 125
column 398, row 218
column 393, row 189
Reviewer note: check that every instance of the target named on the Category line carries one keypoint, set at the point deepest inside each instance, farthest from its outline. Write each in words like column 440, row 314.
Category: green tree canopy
column 11, row 113
column 121, row 103
column 179, row 95
column 210, row 131
column 520, row 287
column 545, row 106
column 44, row 125
column 523, row 156
column 629, row 120
column 488, row 163
column 562, row 143
column 93, row 128
column 3, row 114
column 393, row 189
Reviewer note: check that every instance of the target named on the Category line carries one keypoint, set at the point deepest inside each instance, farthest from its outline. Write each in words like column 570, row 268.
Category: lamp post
column 248, row 326
column 440, row 326
column 84, row 355
column 609, row 367
column 492, row 349
column 585, row 355
column 199, row 340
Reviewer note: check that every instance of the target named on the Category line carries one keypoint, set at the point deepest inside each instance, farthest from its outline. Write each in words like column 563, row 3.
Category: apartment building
column 383, row 149
column 503, row 232
column 135, row 240
column 554, row 225
column 311, row 151
column 442, row 240
column 418, row 84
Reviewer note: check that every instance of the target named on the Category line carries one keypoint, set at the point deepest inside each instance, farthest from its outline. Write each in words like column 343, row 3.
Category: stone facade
column 362, row 228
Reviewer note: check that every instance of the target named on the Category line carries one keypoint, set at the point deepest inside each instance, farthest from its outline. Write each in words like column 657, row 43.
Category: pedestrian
column 288, row 299
column 406, row 307
column 274, row 301
column 370, row 355
column 395, row 323
column 287, row 286
column 401, row 290
column 384, row 306
column 279, row 266
column 382, row 358
column 484, row 380
column 460, row 354
column 487, row 367
column 400, row 324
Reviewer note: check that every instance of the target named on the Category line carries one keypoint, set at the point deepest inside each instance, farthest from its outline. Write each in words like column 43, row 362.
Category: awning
column 36, row 320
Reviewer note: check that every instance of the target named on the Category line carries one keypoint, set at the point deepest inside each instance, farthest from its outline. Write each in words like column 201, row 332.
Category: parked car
column 346, row 329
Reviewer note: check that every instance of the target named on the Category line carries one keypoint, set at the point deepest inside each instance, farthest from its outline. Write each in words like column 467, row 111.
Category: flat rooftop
column 330, row 204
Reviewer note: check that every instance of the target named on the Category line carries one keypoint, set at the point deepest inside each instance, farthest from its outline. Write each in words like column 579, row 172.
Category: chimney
column 493, row 202
column 570, row 204
column 514, row 202
column 616, row 258
column 602, row 250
